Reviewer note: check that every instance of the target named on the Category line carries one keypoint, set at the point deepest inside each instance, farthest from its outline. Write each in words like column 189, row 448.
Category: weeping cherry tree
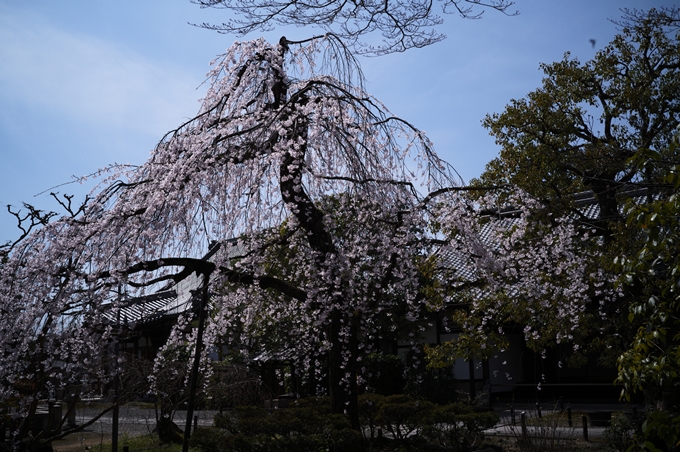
column 281, row 128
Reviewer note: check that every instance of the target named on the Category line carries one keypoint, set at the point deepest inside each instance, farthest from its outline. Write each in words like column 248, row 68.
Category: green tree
column 583, row 129
column 607, row 126
column 579, row 130
column 652, row 275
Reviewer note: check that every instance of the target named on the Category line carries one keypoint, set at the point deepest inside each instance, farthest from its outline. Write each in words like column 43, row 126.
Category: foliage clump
column 307, row 425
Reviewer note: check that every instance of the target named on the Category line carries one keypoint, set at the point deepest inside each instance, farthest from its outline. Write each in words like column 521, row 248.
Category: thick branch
column 191, row 264
column 427, row 199
column 264, row 282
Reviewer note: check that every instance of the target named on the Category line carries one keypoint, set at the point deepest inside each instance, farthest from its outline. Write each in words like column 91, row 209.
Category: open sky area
column 87, row 83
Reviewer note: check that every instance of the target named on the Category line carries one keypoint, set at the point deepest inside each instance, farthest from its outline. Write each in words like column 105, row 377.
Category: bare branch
column 401, row 25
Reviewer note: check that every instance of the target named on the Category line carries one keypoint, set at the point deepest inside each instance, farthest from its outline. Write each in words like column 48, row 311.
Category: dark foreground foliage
column 396, row 422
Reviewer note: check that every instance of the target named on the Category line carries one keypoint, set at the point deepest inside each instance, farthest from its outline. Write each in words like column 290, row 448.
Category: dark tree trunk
column 311, row 219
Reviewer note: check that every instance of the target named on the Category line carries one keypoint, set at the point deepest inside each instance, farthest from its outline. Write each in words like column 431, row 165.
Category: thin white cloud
column 89, row 80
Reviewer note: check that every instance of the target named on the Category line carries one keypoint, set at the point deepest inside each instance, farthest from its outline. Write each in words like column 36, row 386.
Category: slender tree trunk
column 342, row 375
column 197, row 360
column 19, row 442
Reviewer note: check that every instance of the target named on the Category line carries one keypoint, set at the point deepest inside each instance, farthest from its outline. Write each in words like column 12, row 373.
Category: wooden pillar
column 471, row 367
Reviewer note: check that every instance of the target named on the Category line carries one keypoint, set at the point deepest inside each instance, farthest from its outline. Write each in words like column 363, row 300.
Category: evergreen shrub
column 395, row 422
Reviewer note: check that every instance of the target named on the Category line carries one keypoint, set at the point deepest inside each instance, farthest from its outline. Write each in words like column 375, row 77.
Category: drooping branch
column 442, row 191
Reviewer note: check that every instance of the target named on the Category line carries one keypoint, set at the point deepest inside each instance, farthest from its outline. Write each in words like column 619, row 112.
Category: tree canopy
column 650, row 274
column 589, row 127
column 608, row 127
column 511, row 264
column 584, row 133
column 579, row 130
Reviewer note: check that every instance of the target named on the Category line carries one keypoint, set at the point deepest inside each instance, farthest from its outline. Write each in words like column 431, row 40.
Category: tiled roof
column 464, row 271
column 452, row 260
column 146, row 309
column 588, row 206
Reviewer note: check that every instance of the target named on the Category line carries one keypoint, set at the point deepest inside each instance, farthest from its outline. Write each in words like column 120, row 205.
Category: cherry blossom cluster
column 517, row 264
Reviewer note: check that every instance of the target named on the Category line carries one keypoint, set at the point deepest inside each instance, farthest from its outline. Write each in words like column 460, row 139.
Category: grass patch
column 142, row 405
column 557, row 418
column 142, row 443
column 137, row 444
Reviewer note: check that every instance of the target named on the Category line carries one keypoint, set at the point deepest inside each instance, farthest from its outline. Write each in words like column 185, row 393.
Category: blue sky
column 88, row 83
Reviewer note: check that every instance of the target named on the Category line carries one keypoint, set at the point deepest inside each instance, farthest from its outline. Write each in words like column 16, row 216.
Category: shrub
column 209, row 439
column 306, row 425
column 403, row 416
column 250, row 421
column 369, row 409
column 309, row 425
column 457, row 427
column 224, row 421
column 544, row 435
column 346, row 440
column 620, row 435
column 661, row 432
column 233, row 384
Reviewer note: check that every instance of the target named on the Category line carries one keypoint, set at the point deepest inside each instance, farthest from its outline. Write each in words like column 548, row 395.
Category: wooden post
column 512, row 415
column 3, row 428
column 571, row 424
column 486, row 372
column 50, row 416
column 471, row 368
column 114, row 415
column 523, row 421
column 585, row 427
column 72, row 399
